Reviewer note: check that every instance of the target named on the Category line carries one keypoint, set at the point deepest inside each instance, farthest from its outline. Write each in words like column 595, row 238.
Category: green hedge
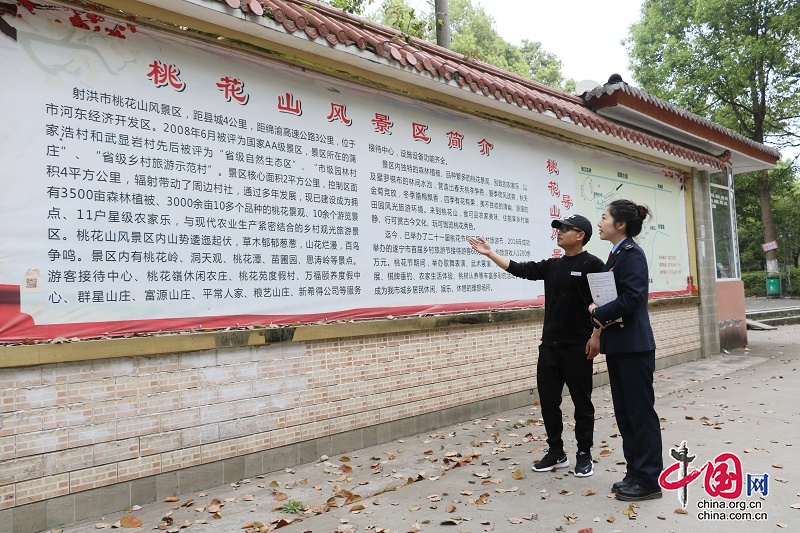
column 755, row 283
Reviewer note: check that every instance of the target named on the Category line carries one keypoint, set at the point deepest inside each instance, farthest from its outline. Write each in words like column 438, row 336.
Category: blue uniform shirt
column 634, row 334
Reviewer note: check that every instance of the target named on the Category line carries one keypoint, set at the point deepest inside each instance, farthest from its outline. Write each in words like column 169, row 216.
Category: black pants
column 631, row 377
column 557, row 366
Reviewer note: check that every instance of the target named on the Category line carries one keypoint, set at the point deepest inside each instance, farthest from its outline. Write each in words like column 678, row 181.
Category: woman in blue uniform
column 629, row 347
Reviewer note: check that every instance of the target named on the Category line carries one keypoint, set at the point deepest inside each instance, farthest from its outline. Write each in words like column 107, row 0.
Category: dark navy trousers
column 631, row 377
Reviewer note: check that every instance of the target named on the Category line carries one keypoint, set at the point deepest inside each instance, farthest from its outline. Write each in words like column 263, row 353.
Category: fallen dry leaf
column 279, row 497
column 415, row 528
column 589, row 492
column 281, row 523
column 450, row 509
column 172, row 499
column 681, row 511
column 611, row 519
column 130, row 522
column 102, row 525
column 517, row 475
column 515, row 520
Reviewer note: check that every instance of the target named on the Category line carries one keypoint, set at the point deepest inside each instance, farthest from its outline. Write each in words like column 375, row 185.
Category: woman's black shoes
column 618, row 485
column 634, row 493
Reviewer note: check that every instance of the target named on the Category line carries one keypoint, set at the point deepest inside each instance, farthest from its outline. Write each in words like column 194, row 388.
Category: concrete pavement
column 476, row 476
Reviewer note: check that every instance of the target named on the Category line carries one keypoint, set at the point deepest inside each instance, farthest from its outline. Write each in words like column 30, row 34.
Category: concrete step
column 759, row 326
column 781, row 321
column 778, row 316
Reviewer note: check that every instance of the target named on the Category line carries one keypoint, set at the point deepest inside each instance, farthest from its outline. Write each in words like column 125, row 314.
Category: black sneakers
column 583, row 464
column 551, row 461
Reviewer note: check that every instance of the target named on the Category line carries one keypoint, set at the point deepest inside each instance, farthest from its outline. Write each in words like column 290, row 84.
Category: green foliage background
column 736, row 62
column 785, row 193
column 473, row 33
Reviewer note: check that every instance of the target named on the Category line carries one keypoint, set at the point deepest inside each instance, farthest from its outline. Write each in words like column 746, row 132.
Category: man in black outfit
column 569, row 342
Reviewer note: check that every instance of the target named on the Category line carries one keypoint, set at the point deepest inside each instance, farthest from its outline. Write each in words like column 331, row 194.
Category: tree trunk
column 442, row 19
column 766, row 219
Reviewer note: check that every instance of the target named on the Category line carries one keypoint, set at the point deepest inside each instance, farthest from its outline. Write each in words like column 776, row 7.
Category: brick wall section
column 72, row 427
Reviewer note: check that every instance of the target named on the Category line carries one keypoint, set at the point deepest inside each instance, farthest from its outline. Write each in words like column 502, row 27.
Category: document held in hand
column 603, row 288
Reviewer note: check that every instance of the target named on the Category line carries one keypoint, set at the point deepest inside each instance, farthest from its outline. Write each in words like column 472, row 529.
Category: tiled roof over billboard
column 325, row 25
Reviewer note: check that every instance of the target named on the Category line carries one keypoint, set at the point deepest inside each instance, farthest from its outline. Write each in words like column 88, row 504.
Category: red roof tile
column 323, row 23
column 623, row 94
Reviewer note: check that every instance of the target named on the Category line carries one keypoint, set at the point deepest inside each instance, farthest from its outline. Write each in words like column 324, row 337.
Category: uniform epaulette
column 628, row 246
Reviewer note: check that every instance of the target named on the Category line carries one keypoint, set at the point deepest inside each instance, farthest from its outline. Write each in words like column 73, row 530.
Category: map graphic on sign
column 662, row 237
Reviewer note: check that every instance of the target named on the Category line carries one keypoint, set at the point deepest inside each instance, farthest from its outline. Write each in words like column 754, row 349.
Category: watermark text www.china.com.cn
column 708, row 510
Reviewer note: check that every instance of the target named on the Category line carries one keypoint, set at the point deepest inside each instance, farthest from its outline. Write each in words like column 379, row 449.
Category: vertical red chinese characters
column 555, row 210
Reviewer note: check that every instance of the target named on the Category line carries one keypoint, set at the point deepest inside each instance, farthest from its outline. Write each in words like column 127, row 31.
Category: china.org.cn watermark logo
column 722, row 478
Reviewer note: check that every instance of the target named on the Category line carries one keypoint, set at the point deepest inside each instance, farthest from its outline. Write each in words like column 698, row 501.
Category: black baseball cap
column 578, row 221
